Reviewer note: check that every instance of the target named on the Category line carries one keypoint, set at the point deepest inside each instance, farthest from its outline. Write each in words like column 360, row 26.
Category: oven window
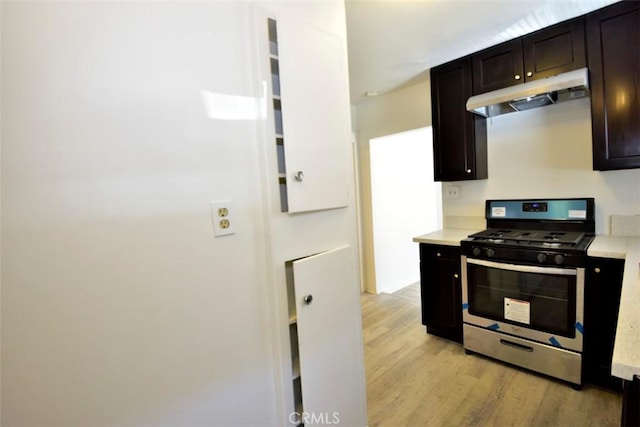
column 545, row 302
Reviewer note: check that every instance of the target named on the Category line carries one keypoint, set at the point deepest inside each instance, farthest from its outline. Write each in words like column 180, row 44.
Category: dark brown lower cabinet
column 631, row 403
column 603, row 283
column 441, row 291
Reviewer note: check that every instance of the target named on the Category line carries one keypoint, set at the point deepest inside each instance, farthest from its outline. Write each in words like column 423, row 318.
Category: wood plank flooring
column 415, row 379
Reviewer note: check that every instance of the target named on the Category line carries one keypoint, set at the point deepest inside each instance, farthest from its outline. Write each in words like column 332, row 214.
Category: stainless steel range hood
column 538, row 93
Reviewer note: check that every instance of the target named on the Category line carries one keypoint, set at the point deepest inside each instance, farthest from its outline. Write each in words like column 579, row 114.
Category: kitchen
column 545, row 152
column 127, row 298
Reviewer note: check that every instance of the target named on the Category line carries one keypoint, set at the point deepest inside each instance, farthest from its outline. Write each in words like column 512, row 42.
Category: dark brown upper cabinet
column 497, row 67
column 547, row 52
column 459, row 137
column 613, row 34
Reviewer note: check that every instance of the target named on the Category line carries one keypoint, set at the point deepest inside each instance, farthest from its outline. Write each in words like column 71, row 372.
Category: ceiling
column 394, row 43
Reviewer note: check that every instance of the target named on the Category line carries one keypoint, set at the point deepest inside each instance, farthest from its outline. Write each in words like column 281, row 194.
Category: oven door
column 543, row 304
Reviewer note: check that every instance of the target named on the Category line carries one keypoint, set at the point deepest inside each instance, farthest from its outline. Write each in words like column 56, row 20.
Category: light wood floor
column 415, row 379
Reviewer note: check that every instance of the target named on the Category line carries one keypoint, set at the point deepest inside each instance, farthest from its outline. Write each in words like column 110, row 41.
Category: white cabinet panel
column 315, row 113
column 330, row 337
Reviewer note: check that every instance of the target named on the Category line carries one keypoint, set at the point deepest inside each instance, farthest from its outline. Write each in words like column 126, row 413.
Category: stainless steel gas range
column 523, row 284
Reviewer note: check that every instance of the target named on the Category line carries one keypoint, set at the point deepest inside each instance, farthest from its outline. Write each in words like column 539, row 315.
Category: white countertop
column 626, row 351
column 609, row 247
column 446, row 236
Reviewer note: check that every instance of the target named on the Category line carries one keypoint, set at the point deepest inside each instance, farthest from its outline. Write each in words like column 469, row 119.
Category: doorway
column 406, row 202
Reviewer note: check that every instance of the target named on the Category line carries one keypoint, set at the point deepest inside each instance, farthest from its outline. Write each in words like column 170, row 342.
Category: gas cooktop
column 530, row 237
column 535, row 231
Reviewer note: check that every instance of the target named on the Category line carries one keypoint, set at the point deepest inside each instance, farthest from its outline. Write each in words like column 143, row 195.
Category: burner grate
column 531, row 237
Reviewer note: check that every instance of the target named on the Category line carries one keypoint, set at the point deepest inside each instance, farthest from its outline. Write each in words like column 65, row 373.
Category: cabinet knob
column 468, row 170
column 597, row 269
column 307, row 299
column 299, row 176
column 455, row 275
column 529, row 74
column 517, row 77
column 438, row 254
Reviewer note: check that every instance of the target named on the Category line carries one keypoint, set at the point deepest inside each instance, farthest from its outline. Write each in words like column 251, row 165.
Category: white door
column 330, row 338
column 315, row 113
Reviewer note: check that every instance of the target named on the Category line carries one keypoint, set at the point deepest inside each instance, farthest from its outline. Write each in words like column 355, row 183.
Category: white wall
column 406, row 202
column 119, row 307
column 405, row 109
column 546, row 152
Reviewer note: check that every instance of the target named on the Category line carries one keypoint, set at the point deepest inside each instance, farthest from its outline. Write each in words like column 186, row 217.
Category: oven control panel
column 555, row 210
column 534, row 207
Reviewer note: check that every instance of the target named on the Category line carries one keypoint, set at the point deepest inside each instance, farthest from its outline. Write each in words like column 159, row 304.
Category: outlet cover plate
column 223, row 218
column 453, row 192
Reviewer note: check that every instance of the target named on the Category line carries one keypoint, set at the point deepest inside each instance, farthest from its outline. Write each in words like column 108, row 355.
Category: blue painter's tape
column 580, row 328
column 465, row 306
column 555, row 342
column 494, row 327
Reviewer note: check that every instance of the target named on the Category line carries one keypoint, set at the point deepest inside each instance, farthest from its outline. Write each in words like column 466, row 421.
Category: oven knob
column 559, row 259
column 542, row 257
column 477, row 251
column 491, row 252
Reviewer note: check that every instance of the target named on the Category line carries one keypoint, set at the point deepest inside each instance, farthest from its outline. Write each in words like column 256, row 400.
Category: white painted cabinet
column 312, row 111
column 302, row 71
column 329, row 338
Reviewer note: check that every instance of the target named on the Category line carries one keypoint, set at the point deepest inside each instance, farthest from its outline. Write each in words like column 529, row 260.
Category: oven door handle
column 523, row 268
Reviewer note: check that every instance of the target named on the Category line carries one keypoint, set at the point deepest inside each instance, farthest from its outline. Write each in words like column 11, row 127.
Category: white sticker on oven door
column 517, row 310
column 498, row 211
column 578, row 213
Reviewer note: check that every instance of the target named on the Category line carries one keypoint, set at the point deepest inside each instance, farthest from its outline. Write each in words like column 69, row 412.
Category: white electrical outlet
column 223, row 219
column 453, row 192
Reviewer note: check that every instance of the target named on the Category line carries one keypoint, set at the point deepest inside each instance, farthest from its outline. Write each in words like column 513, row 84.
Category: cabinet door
column 554, row 50
column 314, row 87
column 614, row 66
column 459, row 137
column 631, row 403
column 330, row 336
column 441, row 291
column 603, row 283
column 497, row 67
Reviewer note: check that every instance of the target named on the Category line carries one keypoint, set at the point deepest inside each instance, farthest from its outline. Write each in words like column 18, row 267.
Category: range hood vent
column 538, row 93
